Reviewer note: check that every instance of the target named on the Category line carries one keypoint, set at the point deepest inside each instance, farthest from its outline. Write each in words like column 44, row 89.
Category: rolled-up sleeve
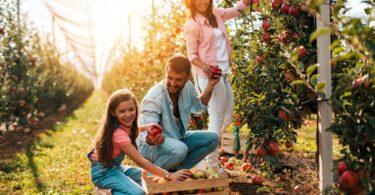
column 196, row 102
column 150, row 111
column 232, row 12
column 191, row 37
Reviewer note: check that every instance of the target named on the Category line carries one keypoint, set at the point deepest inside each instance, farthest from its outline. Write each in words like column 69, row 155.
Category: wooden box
column 227, row 142
column 180, row 186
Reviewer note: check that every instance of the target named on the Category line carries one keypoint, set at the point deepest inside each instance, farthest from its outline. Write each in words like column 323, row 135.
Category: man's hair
column 179, row 64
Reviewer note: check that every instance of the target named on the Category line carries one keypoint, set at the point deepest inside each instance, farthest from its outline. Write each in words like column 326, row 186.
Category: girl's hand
column 180, row 175
column 207, row 70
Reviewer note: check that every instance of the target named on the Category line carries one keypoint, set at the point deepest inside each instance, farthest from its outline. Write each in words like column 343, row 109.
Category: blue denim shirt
column 157, row 107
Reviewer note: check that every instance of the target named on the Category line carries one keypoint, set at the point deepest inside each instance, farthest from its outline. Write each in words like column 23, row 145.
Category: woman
column 208, row 46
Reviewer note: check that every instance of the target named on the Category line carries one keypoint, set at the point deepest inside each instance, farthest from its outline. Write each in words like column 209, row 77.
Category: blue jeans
column 181, row 154
column 121, row 179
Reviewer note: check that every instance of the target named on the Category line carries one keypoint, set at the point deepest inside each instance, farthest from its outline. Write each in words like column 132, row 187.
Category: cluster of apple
column 196, row 175
column 350, row 180
column 234, row 163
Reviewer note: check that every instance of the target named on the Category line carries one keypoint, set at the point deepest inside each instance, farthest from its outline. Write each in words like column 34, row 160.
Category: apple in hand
column 155, row 131
column 215, row 71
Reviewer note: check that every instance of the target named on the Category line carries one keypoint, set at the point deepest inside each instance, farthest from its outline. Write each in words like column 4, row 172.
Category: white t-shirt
column 221, row 51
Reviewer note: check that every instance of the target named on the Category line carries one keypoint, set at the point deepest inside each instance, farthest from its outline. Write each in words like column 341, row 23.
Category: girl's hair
column 209, row 14
column 109, row 123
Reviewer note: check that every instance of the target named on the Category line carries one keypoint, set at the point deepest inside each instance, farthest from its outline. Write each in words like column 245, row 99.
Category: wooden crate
column 151, row 187
column 227, row 142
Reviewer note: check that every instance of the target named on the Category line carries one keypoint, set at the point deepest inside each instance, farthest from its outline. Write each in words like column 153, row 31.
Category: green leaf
column 314, row 80
column 311, row 69
column 319, row 32
column 320, row 86
column 298, row 82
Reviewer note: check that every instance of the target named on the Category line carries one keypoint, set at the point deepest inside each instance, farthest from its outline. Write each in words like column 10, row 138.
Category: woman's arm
column 133, row 154
column 232, row 12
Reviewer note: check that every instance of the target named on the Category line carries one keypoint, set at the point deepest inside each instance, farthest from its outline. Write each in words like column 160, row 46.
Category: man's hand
column 214, row 79
column 157, row 140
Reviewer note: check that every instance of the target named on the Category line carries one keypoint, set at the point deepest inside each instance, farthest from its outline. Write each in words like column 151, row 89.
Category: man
column 169, row 104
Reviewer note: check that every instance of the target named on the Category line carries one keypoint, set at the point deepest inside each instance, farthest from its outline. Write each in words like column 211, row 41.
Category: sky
column 112, row 22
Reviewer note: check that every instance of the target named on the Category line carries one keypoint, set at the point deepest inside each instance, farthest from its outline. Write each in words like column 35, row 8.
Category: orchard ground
column 53, row 158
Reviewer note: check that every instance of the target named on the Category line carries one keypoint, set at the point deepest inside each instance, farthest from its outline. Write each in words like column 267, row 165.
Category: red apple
column 216, row 70
column 1, row 30
column 294, row 11
column 265, row 25
column 276, row 4
column 342, row 167
column 258, row 180
column 301, row 51
column 246, row 167
column 266, row 37
column 261, row 152
column 283, row 115
column 348, row 180
column 274, row 148
column 156, row 130
column 223, row 159
column 285, row 8
column 259, row 59
column 229, row 165
column 284, row 36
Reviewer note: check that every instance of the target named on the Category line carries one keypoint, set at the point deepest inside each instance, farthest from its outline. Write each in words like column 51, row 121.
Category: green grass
column 56, row 163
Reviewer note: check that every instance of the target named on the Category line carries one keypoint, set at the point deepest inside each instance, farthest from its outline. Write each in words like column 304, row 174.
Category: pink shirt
column 200, row 37
column 120, row 138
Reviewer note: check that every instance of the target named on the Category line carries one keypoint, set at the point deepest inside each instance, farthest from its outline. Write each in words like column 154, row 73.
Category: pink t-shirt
column 120, row 138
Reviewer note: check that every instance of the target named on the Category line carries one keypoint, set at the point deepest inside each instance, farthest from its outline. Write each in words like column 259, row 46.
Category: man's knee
column 213, row 138
column 180, row 151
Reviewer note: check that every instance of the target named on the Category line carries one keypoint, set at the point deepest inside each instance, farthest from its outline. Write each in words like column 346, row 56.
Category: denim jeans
column 121, row 179
column 220, row 110
column 181, row 154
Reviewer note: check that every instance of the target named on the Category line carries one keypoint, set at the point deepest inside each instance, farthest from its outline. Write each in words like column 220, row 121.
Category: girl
column 115, row 138
column 208, row 45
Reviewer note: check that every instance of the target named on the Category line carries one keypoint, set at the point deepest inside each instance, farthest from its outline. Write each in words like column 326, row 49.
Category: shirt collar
column 201, row 19
column 127, row 129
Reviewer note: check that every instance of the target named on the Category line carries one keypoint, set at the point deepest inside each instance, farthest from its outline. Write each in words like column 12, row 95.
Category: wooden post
column 325, row 110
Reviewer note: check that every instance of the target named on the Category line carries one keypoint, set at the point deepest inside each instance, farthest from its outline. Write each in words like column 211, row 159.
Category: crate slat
column 151, row 187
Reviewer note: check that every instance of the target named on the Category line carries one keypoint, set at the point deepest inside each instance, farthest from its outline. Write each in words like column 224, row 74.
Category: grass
column 56, row 163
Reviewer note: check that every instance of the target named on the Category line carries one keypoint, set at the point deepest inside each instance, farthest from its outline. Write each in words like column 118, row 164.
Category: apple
column 229, row 165
column 294, row 11
column 348, row 180
column 1, row 30
column 274, row 148
column 232, row 159
column 301, row 51
column 285, row 8
column 342, row 167
column 258, row 180
column 201, row 191
column 284, row 36
column 215, row 70
column 283, row 115
column 259, row 59
column 223, row 158
column 199, row 174
column 266, row 37
column 255, row 1
column 276, row 4
column 290, row 76
column 162, row 180
column 156, row 130
column 265, row 25
column 261, row 152
column 246, row 167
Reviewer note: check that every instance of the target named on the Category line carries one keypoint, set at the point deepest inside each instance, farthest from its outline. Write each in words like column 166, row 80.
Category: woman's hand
column 207, row 70
column 180, row 175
